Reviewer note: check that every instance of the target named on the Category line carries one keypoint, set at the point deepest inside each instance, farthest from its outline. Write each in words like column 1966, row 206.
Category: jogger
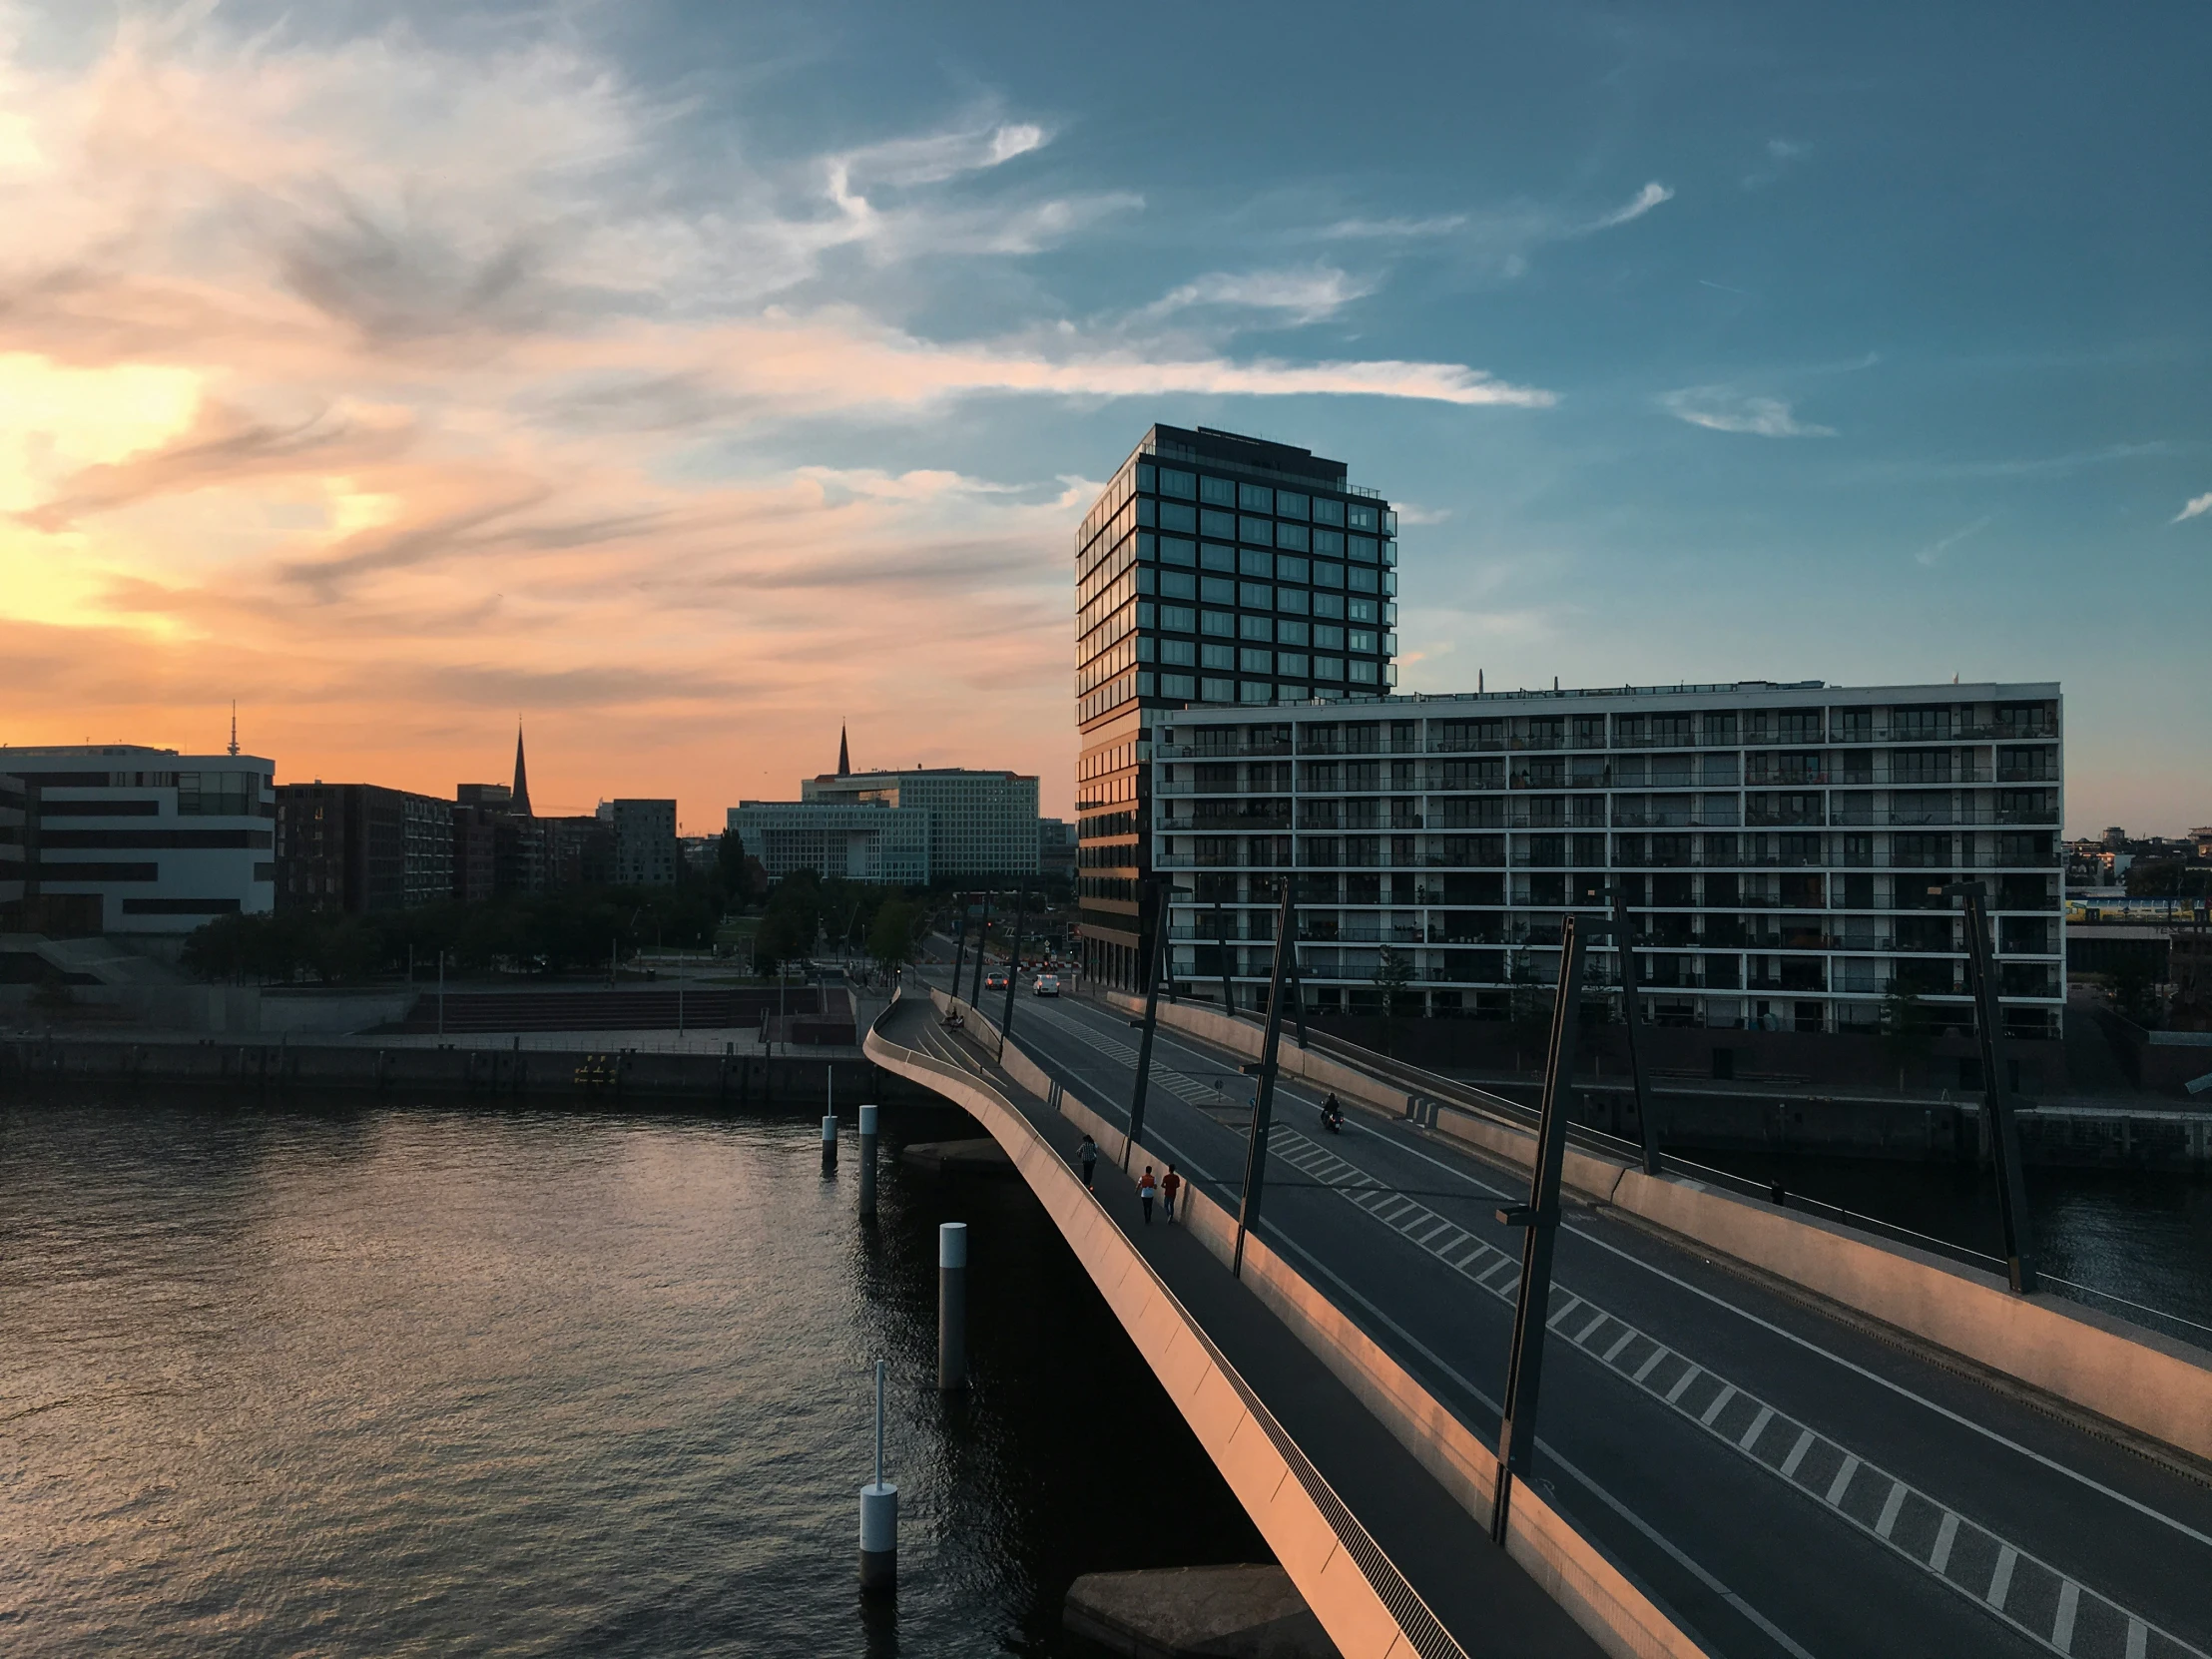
column 1170, row 1184
column 1146, row 1188
column 1087, row 1156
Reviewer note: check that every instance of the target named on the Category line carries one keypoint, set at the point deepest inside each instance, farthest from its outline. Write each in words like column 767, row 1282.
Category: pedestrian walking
column 1146, row 1190
column 1170, row 1184
column 1087, row 1156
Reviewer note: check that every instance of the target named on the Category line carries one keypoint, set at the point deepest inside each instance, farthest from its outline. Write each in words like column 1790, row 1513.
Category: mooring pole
column 2004, row 1135
column 868, row 1163
column 1156, row 958
column 1624, row 939
column 1516, row 1431
column 879, row 1514
column 1263, row 1105
column 829, row 1120
column 953, row 1304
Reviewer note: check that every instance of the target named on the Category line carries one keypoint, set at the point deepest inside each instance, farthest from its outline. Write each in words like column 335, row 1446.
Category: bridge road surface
column 1482, row 1598
column 1785, row 1479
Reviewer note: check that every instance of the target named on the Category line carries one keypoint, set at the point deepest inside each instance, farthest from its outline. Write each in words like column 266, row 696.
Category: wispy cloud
column 2196, row 507
column 1384, row 230
column 1780, row 155
column 1298, row 296
column 1504, row 238
column 1929, row 555
column 1641, row 203
column 1724, row 409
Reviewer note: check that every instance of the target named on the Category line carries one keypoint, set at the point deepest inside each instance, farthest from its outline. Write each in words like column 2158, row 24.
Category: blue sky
column 688, row 376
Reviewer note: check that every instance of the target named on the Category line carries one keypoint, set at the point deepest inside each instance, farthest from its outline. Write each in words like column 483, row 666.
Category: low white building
column 980, row 823
column 859, row 841
column 124, row 839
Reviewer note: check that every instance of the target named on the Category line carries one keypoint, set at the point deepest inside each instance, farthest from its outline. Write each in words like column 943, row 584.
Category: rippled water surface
column 445, row 1382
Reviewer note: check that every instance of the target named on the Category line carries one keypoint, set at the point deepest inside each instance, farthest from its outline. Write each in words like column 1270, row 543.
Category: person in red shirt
column 1145, row 1189
column 1170, row 1184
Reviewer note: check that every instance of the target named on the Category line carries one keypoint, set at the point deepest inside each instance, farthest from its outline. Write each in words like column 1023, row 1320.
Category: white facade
column 865, row 841
column 980, row 823
column 1779, row 843
column 166, row 841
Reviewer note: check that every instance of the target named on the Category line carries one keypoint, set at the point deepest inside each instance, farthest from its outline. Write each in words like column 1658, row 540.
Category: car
column 1046, row 984
column 995, row 981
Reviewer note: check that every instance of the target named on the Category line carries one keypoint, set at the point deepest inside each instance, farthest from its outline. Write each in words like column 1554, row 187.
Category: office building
column 14, row 822
column 1056, row 847
column 645, row 851
column 1781, row 843
column 981, row 823
column 1217, row 569
column 125, row 839
column 867, row 841
column 359, row 848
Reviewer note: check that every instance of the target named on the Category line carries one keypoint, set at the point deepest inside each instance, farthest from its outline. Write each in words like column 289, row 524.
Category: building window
column 1216, row 590
column 1174, row 550
column 1361, row 639
column 1178, row 584
column 1179, row 653
column 1290, row 599
column 1330, row 542
column 1288, row 505
column 1218, row 691
column 1256, row 498
column 1222, row 526
column 1217, row 656
column 1222, row 624
column 1255, row 662
column 1360, row 610
column 1213, row 556
column 1329, row 668
column 1363, row 580
column 1252, row 562
column 1179, row 619
column 1326, row 511
column 1184, row 484
column 1174, row 517
column 1259, row 531
column 1292, row 536
column 1290, row 662
column 1255, row 596
column 1361, row 518
column 1327, row 575
column 1329, row 638
column 1362, row 673
column 1256, row 690
column 1221, row 491
column 1256, row 627
column 1363, row 549
column 1291, row 633
column 1177, row 684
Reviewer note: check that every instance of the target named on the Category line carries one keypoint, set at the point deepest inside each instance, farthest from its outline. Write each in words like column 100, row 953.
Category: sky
column 685, row 379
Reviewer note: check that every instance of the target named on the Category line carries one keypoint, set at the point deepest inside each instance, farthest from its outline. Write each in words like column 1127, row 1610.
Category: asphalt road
column 1790, row 1482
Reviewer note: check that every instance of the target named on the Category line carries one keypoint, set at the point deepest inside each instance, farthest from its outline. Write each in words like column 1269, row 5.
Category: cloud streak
column 2195, row 508
column 1723, row 410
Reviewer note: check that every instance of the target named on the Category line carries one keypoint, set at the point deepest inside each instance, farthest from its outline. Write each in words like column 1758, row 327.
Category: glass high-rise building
column 1214, row 569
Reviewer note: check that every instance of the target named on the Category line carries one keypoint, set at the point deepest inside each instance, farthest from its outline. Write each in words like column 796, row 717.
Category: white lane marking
column 2062, row 1627
column 1796, row 1453
column 1946, row 1535
column 1596, row 1321
column 2001, row 1580
column 2139, row 1644
column 1561, row 1313
column 1842, row 1482
column 1757, row 1428
column 1682, row 1383
column 1720, row 1403
column 1627, row 1335
column 1890, row 1507
column 1658, row 1353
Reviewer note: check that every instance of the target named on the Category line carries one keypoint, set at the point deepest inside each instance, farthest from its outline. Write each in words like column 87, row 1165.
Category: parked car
column 995, row 981
column 1047, row 985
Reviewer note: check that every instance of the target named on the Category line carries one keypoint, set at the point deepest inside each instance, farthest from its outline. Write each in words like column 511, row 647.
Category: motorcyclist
column 1331, row 1113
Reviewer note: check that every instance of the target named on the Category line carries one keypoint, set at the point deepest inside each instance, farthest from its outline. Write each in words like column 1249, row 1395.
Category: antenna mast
column 234, row 726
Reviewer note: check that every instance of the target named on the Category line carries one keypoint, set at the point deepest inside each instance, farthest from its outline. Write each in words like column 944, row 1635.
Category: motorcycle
column 1332, row 1116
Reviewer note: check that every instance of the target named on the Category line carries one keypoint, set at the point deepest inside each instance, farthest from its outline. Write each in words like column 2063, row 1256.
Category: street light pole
column 1013, row 970
column 1156, row 958
column 1624, row 939
column 1263, row 1104
column 2004, row 1138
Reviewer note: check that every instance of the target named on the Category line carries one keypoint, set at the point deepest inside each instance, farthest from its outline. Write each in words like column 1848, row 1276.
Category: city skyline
column 692, row 383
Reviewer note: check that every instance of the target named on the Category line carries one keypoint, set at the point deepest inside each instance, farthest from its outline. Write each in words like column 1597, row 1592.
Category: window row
column 1258, row 498
column 1257, row 596
column 1179, row 619
column 1336, row 671
column 1264, row 532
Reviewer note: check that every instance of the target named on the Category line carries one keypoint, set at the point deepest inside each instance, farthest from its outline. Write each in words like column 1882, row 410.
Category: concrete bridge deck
column 1783, row 1476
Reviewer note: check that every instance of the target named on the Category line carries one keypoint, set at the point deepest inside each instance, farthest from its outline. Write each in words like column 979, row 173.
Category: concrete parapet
column 1196, row 1613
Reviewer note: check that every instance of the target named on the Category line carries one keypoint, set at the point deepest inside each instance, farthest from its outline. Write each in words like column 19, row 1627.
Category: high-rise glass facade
column 1214, row 568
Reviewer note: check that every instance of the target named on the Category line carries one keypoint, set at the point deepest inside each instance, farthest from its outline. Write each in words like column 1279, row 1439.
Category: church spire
column 521, row 806
column 844, row 756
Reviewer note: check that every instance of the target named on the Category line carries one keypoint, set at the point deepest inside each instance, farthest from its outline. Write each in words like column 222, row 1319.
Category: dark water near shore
column 451, row 1382
column 2145, row 1235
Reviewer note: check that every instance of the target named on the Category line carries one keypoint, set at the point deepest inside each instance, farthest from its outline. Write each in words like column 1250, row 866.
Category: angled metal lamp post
column 2004, row 1137
column 1014, row 969
column 1156, row 959
column 1516, row 1431
column 960, row 957
column 1624, row 939
column 1263, row 1106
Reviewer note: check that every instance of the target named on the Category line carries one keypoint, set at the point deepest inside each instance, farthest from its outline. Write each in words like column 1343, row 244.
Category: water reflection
column 423, row 1381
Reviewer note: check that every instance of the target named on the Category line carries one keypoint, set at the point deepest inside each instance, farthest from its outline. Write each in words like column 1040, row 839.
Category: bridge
column 1762, row 1431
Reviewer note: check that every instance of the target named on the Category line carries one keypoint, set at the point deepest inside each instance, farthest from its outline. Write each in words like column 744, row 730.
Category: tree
column 890, row 937
column 1394, row 972
column 790, row 923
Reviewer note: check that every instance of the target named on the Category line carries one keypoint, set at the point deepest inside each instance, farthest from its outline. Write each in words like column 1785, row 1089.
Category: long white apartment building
column 1778, row 841
column 124, row 838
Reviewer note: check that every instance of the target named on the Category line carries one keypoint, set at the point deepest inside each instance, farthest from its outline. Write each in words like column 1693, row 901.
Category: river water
column 438, row 1382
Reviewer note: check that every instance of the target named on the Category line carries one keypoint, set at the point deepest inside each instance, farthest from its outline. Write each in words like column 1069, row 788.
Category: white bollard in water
column 953, row 1304
column 867, row 1162
column 828, row 1143
column 879, row 1514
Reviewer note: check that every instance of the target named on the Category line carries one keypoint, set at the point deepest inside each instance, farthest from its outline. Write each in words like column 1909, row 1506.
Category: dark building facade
column 359, row 848
column 1214, row 568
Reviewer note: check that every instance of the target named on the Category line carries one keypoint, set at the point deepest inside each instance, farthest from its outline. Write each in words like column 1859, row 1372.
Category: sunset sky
column 687, row 378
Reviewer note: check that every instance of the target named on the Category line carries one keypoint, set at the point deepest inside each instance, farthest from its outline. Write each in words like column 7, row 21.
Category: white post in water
column 868, row 1163
column 879, row 1514
column 953, row 1304
column 830, row 1143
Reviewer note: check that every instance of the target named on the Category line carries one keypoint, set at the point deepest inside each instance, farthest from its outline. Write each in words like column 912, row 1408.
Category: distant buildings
column 644, row 841
column 1056, row 847
column 125, row 839
column 872, row 841
column 361, row 848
